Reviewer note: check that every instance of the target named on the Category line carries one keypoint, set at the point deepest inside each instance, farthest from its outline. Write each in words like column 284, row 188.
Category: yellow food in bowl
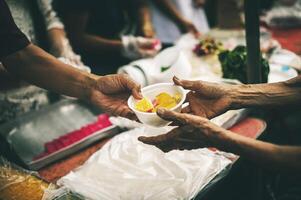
column 162, row 100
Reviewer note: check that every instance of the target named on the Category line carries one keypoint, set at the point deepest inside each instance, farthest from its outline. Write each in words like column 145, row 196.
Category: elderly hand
column 194, row 132
column 207, row 99
column 112, row 92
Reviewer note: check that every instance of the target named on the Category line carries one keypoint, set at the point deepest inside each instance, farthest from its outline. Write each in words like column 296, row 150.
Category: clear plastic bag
column 128, row 169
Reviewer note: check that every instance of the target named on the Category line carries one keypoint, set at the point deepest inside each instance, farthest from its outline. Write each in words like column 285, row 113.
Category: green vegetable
column 164, row 68
column 234, row 64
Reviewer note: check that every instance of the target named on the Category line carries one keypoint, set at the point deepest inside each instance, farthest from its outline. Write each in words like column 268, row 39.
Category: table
column 249, row 127
column 288, row 38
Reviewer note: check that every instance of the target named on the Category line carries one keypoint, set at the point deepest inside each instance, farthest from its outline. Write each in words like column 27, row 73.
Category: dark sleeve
column 11, row 38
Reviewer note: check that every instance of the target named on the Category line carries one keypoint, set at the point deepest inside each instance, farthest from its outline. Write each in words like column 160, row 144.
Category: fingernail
column 176, row 79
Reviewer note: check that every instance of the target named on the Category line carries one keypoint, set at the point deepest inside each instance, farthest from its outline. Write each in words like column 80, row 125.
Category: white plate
column 280, row 73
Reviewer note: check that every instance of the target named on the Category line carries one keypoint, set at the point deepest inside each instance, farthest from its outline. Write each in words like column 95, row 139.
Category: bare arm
column 145, row 20
column 109, row 93
column 173, row 13
column 40, row 68
column 167, row 7
column 267, row 155
column 198, row 132
column 212, row 99
column 85, row 41
column 262, row 95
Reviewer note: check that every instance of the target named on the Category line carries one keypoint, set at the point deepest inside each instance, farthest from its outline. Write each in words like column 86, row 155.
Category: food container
column 169, row 63
column 150, row 92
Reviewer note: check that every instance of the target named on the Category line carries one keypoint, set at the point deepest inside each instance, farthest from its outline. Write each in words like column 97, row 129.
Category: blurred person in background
column 41, row 25
column 59, row 45
column 105, row 32
column 28, row 62
column 172, row 18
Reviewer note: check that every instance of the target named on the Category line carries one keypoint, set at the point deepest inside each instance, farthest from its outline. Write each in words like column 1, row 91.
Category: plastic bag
column 19, row 184
column 128, row 169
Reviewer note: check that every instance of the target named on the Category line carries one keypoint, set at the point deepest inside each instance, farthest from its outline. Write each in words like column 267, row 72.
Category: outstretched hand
column 206, row 99
column 112, row 92
column 194, row 132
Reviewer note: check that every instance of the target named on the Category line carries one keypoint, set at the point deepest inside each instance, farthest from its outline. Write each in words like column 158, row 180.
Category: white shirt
column 167, row 31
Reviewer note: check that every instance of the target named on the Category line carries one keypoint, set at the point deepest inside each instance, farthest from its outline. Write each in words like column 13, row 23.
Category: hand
column 195, row 132
column 187, row 26
column 139, row 47
column 112, row 92
column 206, row 99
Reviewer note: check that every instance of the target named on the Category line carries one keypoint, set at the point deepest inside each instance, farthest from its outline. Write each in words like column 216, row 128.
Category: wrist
column 239, row 96
column 91, row 86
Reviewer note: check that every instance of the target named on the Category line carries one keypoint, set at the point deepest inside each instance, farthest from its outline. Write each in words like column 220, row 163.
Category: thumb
column 186, row 84
column 131, row 85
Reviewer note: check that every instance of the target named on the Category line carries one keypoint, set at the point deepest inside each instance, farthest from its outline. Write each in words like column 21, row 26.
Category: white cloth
column 126, row 169
column 167, row 31
column 50, row 16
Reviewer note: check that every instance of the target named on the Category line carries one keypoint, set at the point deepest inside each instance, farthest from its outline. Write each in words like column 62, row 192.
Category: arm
column 109, row 93
column 262, row 95
column 58, row 41
column 40, row 68
column 267, row 155
column 85, row 41
column 172, row 12
column 145, row 20
column 198, row 132
column 212, row 99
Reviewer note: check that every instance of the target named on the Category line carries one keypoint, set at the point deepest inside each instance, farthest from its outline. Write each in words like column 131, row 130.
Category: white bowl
column 151, row 92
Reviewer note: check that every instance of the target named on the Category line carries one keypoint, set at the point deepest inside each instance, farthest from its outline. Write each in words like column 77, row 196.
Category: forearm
column 144, row 14
column 84, row 41
column 262, row 95
column 170, row 9
column 56, row 38
column 274, row 157
column 97, row 45
column 34, row 65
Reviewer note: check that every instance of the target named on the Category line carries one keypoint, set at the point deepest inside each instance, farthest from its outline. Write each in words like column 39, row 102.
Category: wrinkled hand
column 112, row 92
column 206, row 99
column 194, row 132
column 187, row 26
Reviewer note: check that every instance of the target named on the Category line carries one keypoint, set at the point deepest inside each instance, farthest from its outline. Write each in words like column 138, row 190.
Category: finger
column 193, row 120
column 186, row 84
column 134, row 87
column 160, row 139
column 187, row 109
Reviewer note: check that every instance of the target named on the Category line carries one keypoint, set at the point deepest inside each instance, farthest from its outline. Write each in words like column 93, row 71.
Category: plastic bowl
column 151, row 92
